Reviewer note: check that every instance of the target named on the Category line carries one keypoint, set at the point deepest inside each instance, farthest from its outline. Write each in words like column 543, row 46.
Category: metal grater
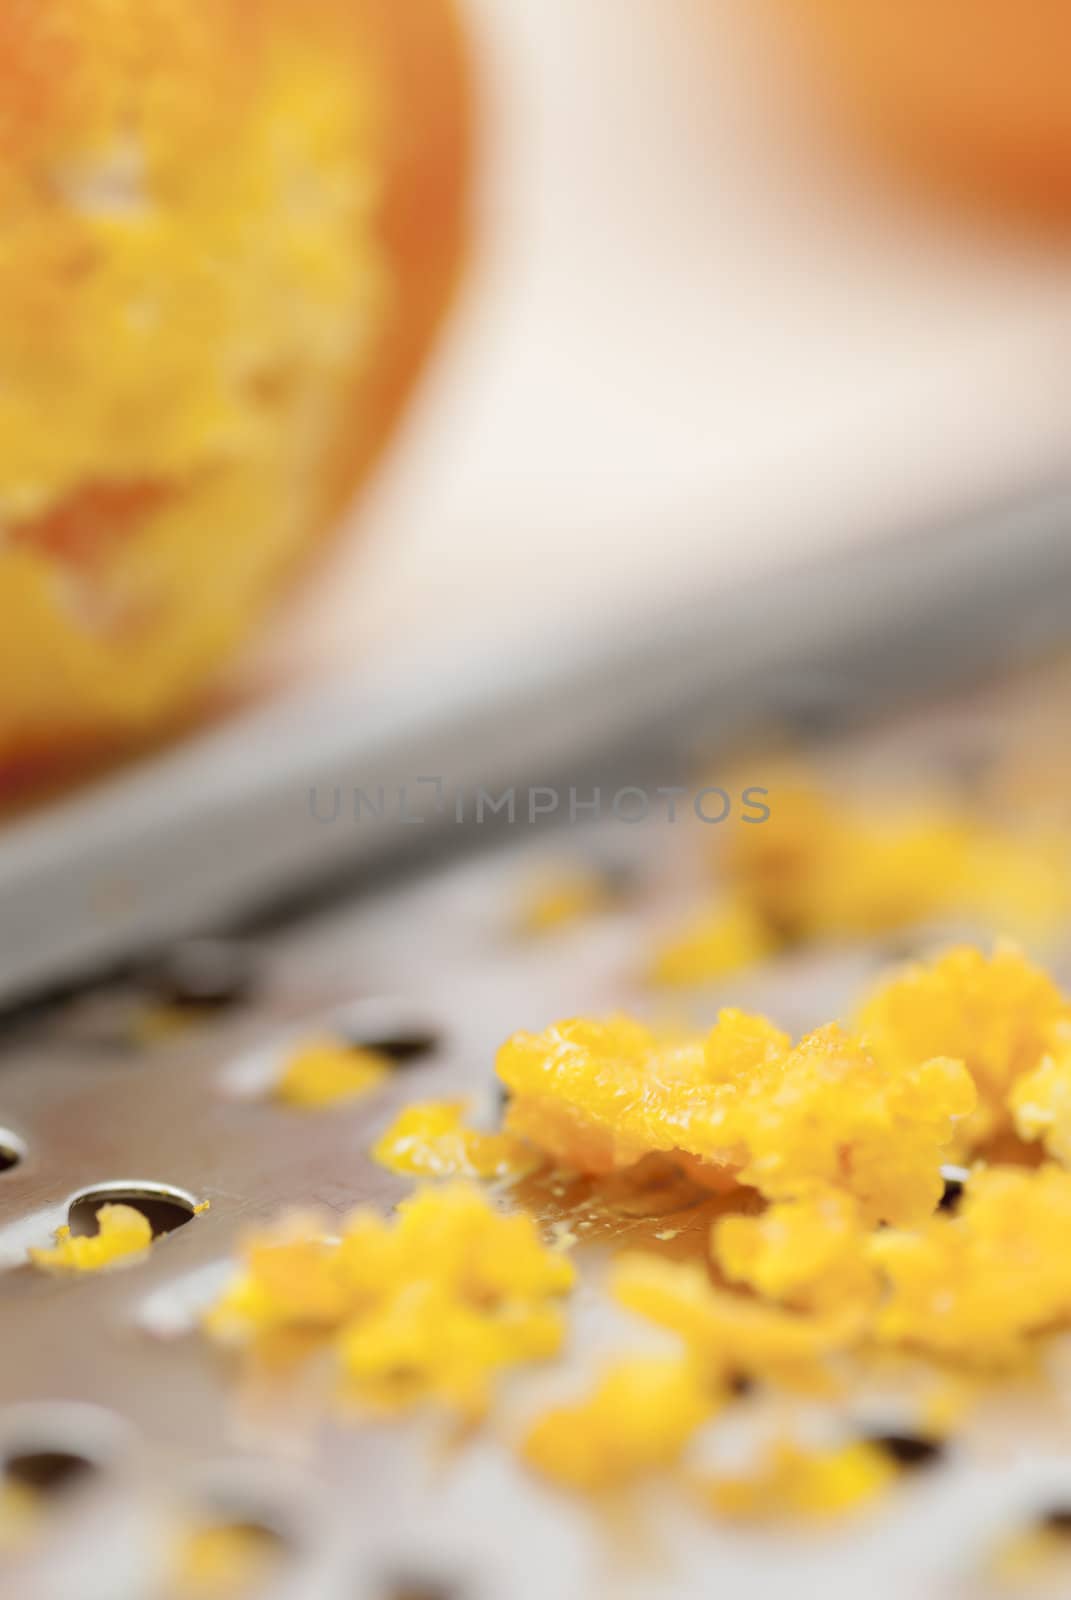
column 415, row 949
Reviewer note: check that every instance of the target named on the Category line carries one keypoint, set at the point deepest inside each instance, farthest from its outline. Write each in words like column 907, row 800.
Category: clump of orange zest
column 998, row 1014
column 843, row 1135
column 808, row 1254
column 430, row 1140
column 976, row 1287
column 599, row 1096
column 819, row 867
column 732, row 1335
column 731, row 935
column 428, row 1308
column 328, row 1072
column 822, row 866
column 637, row 1420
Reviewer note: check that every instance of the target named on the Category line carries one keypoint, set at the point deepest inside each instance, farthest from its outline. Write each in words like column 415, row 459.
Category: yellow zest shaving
column 123, row 1234
column 562, row 897
column 792, row 1481
column 637, row 1420
column 224, row 1561
column 725, row 939
column 327, row 1072
column 430, row 1140
column 729, row 1334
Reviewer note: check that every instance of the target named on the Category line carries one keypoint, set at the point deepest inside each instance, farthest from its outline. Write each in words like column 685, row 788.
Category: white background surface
column 697, row 341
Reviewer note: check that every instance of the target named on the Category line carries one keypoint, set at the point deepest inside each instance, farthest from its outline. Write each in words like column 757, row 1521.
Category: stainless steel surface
column 222, row 824
column 121, row 1370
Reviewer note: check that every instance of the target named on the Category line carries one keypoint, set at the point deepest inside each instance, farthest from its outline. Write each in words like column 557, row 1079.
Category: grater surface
column 114, row 1364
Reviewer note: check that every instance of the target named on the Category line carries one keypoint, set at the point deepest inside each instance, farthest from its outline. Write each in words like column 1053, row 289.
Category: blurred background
column 699, row 296
column 708, row 330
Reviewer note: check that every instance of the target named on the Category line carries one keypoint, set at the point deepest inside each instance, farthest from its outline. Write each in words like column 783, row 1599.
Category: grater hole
column 48, row 1472
column 203, row 975
column 401, row 1041
column 163, row 1207
column 910, row 1451
column 50, row 1448
column 12, row 1150
column 403, row 1047
column 1056, row 1519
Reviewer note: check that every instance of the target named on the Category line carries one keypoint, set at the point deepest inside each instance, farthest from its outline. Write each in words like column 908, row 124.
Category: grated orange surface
column 229, row 234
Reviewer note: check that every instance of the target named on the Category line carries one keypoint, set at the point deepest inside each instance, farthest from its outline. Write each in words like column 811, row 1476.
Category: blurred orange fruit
column 228, row 229
column 974, row 93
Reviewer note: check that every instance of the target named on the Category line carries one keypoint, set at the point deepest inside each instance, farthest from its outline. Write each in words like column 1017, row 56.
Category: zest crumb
column 328, row 1072
column 978, row 1286
column 725, row 939
column 430, row 1140
column 561, row 897
column 998, row 1014
column 740, row 1103
column 1040, row 1104
column 223, row 1561
column 792, row 1481
column 808, row 1254
column 819, row 868
column 123, row 1235
column 638, row 1419
column 428, row 1308
column 730, row 1334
